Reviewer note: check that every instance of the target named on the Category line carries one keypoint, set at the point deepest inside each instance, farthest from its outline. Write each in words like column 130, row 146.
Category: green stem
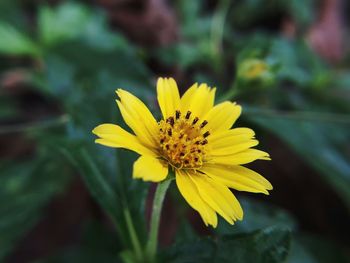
column 8, row 129
column 151, row 248
column 230, row 94
column 217, row 28
column 133, row 236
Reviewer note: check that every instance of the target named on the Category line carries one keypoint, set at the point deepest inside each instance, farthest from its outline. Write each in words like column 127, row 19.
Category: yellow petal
column 149, row 168
column 190, row 192
column 138, row 117
column 168, row 96
column 232, row 136
column 232, row 148
column 222, row 116
column 198, row 100
column 187, row 97
column 228, row 142
column 114, row 136
column 219, row 197
column 238, row 177
column 243, row 157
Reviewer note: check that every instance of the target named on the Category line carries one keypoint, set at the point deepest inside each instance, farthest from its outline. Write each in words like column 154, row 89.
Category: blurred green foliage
column 26, row 188
column 80, row 62
column 266, row 245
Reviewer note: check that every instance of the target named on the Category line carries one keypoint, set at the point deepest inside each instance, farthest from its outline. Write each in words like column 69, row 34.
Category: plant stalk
column 151, row 249
column 133, row 236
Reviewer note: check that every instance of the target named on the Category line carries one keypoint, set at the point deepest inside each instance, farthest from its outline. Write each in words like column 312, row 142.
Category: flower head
column 253, row 68
column 196, row 141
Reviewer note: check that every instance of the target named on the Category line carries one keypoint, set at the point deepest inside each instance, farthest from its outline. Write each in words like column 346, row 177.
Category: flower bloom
column 253, row 68
column 196, row 141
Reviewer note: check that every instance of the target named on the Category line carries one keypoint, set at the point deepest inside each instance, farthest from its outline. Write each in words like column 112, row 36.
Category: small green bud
column 257, row 71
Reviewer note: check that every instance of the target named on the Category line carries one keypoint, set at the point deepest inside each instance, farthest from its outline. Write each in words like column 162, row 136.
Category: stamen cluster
column 183, row 140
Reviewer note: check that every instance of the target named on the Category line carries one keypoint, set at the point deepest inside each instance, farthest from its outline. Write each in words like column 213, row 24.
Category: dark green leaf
column 96, row 245
column 25, row 189
column 72, row 21
column 266, row 246
column 62, row 24
column 14, row 42
column 321, row 144
column 312, row 249
column 96, row 183
column 258, row 215
column 201, row 250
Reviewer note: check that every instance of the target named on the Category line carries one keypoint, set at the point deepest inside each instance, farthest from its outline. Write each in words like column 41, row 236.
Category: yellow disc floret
column 182, row 139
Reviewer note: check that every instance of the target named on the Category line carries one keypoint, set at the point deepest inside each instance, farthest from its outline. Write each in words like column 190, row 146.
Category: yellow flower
column 253, row 69
column 196, row 141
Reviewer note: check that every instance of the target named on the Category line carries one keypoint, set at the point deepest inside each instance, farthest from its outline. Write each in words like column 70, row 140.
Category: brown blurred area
column 326, row 34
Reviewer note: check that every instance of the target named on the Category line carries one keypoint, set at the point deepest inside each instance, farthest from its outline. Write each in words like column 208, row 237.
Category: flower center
column 183, row 140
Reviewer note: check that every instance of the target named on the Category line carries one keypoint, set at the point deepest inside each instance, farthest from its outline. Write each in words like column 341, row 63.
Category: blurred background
column 65, row 199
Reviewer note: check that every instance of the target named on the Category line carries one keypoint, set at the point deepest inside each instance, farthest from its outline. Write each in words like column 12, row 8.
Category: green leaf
column 14, row 42
column 108, row 182
column 321, row 144
column 11, row 12
column 72, row 21
column 26, row 188
column 95, row 245
column 308, row 248
column 257, row 215
column 291, row 61
column 83, row 79
column 96, row 182
column 298, row 63
column 247, row 14
column 8, row 108
column 268, row 245
column 299, row 253
column 323, row 250
column 63, row 23
column 303, row 12
column 200, row 250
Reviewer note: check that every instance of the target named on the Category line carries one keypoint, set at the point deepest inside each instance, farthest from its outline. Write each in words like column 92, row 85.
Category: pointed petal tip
column 99, row 141
column 121, row 93
column 160, row 80
column 264, row 155
column 173, row 82
column 96, row 129
column 118, row 91
column 213, row 224
column 269, row 187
